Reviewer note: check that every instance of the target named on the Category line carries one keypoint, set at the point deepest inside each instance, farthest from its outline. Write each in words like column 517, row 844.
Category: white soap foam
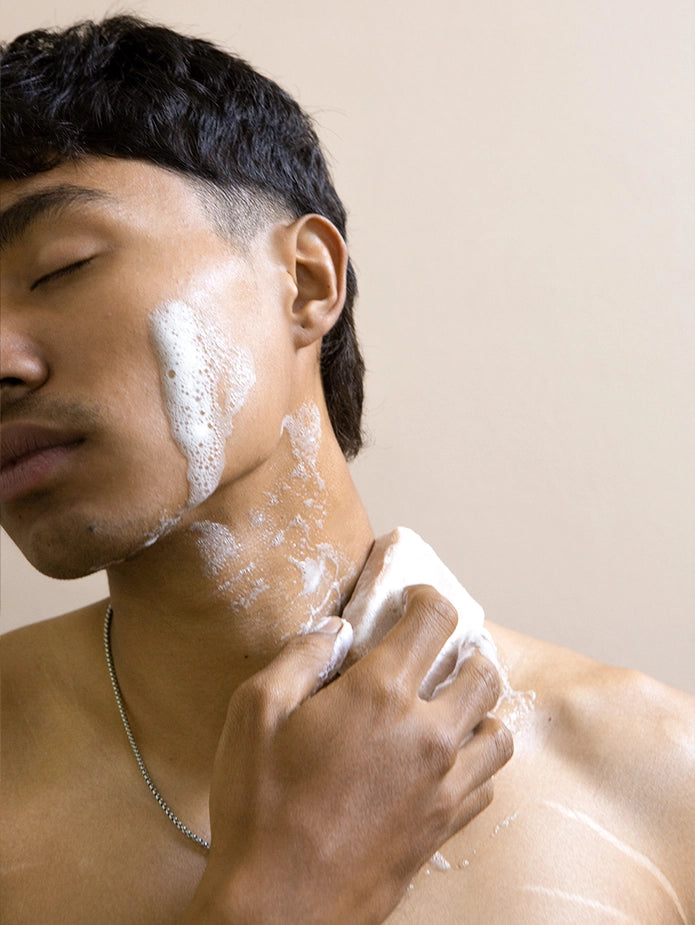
column 312, row 570
column 165, row 524
column 504, row 824
column 580, row 903
column 321, row 573
column 239, row 582
column 639, row 859
column 303, row 427
column 514, row 707
column 298, row 523
column 217, row 546
column 439, row 862
column 320, row 564
column 205, row 381
column 245, row 598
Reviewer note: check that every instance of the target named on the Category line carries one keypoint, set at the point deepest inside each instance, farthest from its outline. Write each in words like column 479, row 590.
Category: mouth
column 29, row 455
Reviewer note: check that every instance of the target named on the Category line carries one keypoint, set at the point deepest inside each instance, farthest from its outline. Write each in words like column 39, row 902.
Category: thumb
column 306, row 663
column 328, row 628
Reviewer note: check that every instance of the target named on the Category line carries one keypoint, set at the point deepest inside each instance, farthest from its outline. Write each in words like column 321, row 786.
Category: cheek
column 205, row 382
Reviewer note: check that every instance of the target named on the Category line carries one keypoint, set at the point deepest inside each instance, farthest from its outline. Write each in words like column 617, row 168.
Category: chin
column 76, row 550
column 68, row 560
column 64, row 562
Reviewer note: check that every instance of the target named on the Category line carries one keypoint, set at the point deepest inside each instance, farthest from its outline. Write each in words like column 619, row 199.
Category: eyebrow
column 17, row 218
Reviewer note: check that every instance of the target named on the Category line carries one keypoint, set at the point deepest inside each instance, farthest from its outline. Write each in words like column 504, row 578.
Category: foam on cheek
column 205, row 381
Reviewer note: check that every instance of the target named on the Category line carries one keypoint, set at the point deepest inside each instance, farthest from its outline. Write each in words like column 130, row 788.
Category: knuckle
column 485, row 677
column 438, row 750
column 428, row 604
column 443, row 813
column 383, row 695
column 390, row 699
column 255, row 697
column 499, row 744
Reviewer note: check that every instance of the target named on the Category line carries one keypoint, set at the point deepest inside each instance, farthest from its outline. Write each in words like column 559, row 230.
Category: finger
column 471, row 696
column 471, row 806
column 411, row 646
column 304, row 665
column 469, row 784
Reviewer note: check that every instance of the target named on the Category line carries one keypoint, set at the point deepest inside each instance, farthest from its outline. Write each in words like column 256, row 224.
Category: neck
column 215, row 599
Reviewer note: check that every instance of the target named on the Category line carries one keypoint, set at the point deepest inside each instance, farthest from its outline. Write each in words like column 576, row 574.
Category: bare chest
column 546, row 850
column 93, row 849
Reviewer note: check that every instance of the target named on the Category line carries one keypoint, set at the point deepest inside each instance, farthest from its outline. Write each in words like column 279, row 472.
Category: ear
column 318, row 258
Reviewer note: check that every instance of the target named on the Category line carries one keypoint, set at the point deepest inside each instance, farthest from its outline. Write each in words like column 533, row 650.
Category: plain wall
column 521, row 189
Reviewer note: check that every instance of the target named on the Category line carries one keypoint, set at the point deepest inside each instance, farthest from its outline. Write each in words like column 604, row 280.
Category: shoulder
column 641, row 723
column 634, row 735
column 41, row 637
column 628, row 742
column 598, row 712
column 597, row 707
column 55, row 705
column 44, row 663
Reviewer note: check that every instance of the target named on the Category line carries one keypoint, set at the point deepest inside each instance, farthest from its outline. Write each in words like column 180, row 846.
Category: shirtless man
column 132, row 314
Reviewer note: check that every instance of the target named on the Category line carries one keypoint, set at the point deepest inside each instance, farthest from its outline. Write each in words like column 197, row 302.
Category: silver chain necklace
column 170, row 814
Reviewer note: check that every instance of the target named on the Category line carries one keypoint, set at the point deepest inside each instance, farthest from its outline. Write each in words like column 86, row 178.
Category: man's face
column 144, row 360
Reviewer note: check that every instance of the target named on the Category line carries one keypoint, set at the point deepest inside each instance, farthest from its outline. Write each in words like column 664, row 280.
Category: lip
column 30, row 453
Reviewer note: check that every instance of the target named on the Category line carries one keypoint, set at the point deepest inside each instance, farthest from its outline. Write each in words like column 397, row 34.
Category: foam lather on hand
column 399, row 559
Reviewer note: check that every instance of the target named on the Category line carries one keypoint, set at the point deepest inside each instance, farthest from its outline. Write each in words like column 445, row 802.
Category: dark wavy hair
column 127, row 88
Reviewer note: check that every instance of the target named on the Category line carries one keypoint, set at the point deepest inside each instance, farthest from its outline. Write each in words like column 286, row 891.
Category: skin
column 200, row 676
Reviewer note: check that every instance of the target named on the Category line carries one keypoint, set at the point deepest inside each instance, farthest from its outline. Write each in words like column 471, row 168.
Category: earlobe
column 320, row 265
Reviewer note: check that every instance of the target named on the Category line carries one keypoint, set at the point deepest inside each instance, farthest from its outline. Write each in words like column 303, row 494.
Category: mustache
column 58, row 412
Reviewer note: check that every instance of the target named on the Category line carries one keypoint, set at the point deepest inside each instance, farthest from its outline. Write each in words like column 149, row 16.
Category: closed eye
column 56, row 274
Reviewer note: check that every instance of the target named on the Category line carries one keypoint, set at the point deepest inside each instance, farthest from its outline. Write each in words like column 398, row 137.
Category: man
column 182, row 385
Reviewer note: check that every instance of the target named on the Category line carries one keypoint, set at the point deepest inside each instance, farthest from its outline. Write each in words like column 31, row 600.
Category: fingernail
column 341, row 647
column 328, row 626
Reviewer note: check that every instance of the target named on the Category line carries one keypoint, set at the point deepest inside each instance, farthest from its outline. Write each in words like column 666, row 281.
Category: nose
column 23, row 368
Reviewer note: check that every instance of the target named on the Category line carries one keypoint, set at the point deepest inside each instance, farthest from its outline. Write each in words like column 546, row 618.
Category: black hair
column 127, row 88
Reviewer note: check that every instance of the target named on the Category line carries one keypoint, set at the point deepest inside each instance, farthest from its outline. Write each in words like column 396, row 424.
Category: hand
column 324, row 807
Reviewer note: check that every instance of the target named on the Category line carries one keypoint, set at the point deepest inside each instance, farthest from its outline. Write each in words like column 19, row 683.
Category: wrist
column 234, row 900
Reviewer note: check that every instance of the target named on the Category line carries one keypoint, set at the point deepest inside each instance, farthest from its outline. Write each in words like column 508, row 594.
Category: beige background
column 519, row 177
